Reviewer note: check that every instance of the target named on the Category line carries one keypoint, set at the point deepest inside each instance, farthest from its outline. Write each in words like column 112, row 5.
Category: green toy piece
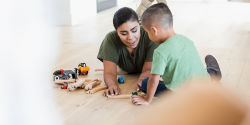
column 135, row 93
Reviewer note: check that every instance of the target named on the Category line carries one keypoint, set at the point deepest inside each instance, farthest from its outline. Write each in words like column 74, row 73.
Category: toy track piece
column 125, row 96
column 62, row 81
column 118, row 72
column 120, row 97
column 96, row 89
column 73, row 86
column 93, row 84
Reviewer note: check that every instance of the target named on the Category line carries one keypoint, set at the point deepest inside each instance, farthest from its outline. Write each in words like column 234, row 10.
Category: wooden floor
column 220, row 29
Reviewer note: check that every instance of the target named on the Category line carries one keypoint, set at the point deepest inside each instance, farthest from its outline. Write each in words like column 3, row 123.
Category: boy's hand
column 112, row 90
column 139, row 100
column 138, row 85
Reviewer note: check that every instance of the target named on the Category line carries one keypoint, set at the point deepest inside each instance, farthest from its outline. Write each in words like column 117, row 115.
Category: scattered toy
column 64, row 74
column 61, row 82
column 64, row 86
column 135, row 93
column 92, row 84
column 82, row 69
column 118, row 72
column 121, row 79
column 81, row 83
column 126, row 96
column 96, row 89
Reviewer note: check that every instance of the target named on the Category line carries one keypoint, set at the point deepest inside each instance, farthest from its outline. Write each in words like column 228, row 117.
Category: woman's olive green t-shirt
column 114, row 50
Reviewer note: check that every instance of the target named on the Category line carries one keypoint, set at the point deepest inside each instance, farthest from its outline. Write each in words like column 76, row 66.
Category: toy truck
column 82, row 69
column 64, row 74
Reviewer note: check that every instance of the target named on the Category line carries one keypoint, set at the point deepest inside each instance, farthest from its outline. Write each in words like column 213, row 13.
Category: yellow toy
column 82, row 69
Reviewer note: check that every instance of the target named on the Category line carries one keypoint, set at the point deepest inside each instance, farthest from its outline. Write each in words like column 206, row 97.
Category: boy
column 176, row 59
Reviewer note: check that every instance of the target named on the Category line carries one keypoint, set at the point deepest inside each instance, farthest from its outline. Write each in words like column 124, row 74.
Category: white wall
column 27, row 52
column 69, row 12
column 124, row 2
column 82, row 9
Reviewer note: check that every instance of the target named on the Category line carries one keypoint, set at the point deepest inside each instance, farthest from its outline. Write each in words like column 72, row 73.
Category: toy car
column 82, row 69
column 64, row 74
column 64, row 86
column 121, row 79
column 135, row 93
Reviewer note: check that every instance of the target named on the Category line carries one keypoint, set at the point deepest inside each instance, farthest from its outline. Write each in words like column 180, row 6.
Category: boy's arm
column 145, row 74
column 151, row 88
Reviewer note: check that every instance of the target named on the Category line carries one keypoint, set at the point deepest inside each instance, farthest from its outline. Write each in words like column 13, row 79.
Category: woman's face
column 129, row 33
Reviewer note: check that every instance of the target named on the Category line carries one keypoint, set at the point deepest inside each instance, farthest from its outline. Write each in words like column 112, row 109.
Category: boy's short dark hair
column 158, row 14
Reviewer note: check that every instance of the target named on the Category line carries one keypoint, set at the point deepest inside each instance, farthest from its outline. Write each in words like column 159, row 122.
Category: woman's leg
column 160, row 88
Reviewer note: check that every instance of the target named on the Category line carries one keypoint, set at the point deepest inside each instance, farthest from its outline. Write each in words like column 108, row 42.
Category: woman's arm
column 145, row 74
column 110, row 76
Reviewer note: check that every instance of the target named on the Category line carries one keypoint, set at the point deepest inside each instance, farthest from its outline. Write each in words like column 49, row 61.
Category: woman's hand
column 138, row 85
column 112, row 90
column 139, row 100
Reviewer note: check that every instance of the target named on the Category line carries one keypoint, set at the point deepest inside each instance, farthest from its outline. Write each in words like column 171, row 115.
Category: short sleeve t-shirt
column 114, row 50
column 178, row 61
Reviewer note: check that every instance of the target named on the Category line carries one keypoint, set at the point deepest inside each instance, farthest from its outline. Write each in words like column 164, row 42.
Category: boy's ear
column 155, row 30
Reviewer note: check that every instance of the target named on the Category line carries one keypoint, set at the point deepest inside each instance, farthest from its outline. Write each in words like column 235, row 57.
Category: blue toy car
column 121, row 79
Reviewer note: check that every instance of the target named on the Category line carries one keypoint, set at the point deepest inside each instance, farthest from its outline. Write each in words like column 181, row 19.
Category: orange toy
column 82, row 69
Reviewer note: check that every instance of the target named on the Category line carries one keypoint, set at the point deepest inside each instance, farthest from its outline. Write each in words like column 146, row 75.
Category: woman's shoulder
column 111, row 37
column 144, row 38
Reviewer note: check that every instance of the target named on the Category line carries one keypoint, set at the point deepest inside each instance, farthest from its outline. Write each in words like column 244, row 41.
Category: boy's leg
column 161, row 88
column 213, row 68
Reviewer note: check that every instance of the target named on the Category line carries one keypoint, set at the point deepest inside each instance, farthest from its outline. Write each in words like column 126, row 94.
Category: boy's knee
column 144, row 85
column 145, row 80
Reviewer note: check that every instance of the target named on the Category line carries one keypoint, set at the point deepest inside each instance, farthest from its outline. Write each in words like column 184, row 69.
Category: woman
column 129, row 47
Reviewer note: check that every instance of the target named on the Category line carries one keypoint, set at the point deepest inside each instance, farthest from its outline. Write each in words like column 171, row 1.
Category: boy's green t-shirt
column 114, row 50
column 177, row 61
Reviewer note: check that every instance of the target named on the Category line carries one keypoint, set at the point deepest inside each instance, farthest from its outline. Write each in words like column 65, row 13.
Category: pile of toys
column 68, row 79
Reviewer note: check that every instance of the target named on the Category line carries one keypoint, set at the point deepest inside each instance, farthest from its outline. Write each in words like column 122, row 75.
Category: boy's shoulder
column 176, row 42
column 174, row 46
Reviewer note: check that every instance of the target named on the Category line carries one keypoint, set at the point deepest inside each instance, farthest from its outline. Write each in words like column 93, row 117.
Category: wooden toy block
column 118, row 72
column 79, row 83
column 124, row 96
column 92, row 84
column 96, row 89
column 62, row 81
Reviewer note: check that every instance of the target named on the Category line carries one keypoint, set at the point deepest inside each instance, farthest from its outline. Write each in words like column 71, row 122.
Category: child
column 176, row 59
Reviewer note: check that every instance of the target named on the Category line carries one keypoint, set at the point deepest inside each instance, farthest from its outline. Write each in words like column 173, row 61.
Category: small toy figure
column 64, row 74
column 121, row 79
column 82, row 69
column 135, row 93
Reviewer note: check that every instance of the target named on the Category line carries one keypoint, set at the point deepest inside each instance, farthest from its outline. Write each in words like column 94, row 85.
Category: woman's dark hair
column 123, row 15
